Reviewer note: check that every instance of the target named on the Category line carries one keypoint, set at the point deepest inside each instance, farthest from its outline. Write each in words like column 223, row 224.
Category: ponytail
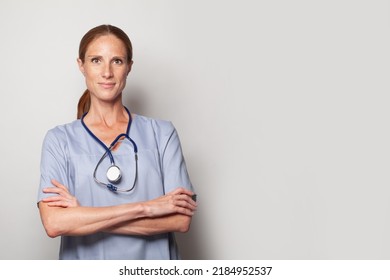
column 84, row 104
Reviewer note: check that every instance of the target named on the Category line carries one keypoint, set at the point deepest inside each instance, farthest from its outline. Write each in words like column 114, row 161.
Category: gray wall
column 281, row 106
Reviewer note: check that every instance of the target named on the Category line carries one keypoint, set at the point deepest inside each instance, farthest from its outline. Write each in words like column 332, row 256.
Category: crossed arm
column 62, row 214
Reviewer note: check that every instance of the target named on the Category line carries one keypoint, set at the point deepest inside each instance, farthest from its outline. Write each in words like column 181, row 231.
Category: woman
column 114, row 185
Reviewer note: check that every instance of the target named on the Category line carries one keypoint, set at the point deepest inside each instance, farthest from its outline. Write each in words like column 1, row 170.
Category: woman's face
column 105, row 68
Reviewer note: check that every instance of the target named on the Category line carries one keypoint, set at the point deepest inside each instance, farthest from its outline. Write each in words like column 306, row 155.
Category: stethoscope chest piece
column 114, row 174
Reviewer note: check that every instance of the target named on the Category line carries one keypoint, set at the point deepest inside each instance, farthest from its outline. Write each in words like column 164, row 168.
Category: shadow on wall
column 135, row 99
column 190, row 245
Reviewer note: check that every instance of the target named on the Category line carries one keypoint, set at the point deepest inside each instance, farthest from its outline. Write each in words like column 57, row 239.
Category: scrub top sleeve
column 173, row 164
column 53, row 162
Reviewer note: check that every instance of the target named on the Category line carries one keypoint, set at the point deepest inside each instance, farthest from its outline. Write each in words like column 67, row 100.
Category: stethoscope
column 114, row 173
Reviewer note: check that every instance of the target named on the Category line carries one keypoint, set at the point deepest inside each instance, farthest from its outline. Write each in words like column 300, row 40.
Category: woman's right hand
column 178, row 201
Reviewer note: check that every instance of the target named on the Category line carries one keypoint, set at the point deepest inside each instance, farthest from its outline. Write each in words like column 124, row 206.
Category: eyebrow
column 100, row 56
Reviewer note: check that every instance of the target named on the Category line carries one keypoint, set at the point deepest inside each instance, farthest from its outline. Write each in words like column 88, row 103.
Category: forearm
column 86, row 220
column 153, row 226
column 62, row 214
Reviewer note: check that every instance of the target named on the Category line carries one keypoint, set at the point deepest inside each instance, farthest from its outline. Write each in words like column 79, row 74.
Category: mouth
column 107, row 85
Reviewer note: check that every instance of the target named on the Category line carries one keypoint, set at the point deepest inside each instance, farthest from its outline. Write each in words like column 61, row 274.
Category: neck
column 106, row 114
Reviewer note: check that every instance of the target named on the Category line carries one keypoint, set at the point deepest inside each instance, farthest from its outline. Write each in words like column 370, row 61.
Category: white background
column 281, row 106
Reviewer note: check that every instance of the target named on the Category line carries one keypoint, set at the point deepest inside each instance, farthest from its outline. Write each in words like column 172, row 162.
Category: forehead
column 106, row 45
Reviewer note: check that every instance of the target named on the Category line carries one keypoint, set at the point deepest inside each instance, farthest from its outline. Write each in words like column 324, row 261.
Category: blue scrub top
column 70, row 155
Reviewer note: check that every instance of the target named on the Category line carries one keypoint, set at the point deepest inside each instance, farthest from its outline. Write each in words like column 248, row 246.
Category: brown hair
column 105, row 29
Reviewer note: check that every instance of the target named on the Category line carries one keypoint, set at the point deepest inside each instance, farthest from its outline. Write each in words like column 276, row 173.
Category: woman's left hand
column 63, row 199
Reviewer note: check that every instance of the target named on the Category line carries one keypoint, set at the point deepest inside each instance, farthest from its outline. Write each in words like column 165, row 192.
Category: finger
column 56, row 190
column 181, row 190
column 58, row 185
column 185, row 204
column 184, row 211
column 63, row 204
column 188, row 199
column 55, row 182
column 53, row 198
column 183, row 201
column 50, row 190
column 59, row 188
column 53, row 191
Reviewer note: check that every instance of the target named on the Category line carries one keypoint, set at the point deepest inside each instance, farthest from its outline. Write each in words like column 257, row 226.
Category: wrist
column 143, row 210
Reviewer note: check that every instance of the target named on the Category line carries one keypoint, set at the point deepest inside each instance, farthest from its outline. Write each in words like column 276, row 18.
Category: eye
column 118, row 61
column 95, row 60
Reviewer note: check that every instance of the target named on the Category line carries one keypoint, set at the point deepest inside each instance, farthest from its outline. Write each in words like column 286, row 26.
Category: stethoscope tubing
column 108, row 151
column 110, row 186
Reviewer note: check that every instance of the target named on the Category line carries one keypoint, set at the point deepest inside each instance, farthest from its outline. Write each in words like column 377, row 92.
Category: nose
column 107, row 71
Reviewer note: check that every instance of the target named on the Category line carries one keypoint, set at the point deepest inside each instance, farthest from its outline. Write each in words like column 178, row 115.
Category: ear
column 81, row 66
column 129, row 67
